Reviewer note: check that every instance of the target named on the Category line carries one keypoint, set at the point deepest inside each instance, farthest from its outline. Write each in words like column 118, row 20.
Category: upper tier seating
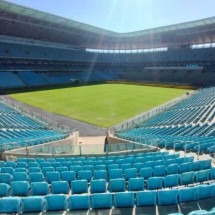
column 10, row 80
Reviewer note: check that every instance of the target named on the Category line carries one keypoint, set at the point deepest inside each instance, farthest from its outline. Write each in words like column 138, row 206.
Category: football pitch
column 103, row 105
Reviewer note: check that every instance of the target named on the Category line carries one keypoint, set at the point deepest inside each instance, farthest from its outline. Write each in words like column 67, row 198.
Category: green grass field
column 103, row 105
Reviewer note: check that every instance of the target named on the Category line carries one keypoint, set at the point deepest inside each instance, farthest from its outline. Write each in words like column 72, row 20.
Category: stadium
column 98, row 122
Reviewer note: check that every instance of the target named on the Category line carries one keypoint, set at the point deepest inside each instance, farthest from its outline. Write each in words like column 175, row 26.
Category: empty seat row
column 59, row 202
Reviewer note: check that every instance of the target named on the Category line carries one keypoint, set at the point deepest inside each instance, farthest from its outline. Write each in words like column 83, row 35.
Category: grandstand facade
column 38, row 49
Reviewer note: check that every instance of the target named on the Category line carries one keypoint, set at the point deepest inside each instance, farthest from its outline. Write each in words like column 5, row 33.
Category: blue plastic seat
column 33, row 164
column 20, row 176
column 21, row 170
column 125, row 166
column 60, row 187
column 68, row 176
column 34, row 169
column 199, row 212
column 10, row 164
column 61, row 169
column 32, row 204
column 66, row 164
column 100, row 174
column 4, row 189
column 136, row 184
column 187, row 178
column 22, row 165
column 159, row 171
column 196, row 166
column 88, row 167
column 101, row 200
column 98, row 186
column 117, row 185
column 76, row 168
column 202, row 175
column 9, row 170
column 115, row 173
column 77, row 163
column 10, row 205
column 39, row 188
column 187, row 194
column 185, row 167
column 36, row 177
column 130, row 173
column 112, row 166
column 79, row 186
column 144, row 198
column 167, row 197
column 55, row 164
column 205, row 191
column 100, row 167
column 50, row 160
column 146, row 172
column 45, row 164
column 47, row 169
column 138, row 166
column 20, row 188
column 123, row 199
column 6, row 178
column 85, row 174
column 79, row 202
column 212, row 173
column 205, row 164
column 171, row 180
column 52, row 176
column 2, row 164
column 56, row 202
column 60, row 160
column 155, row 183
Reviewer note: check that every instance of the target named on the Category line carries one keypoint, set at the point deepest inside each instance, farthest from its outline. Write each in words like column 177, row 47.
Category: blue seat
column 205, row 164
column 60, row 160
column 10, row 164
column 55, row 164
column 146, row 172
column 21, row 170
column 112, row 166
column 125, row 166
column 171, row 180
column 144, row 198
column 88, row 167
column 68, row 176
column 172, row 169
column 22, row 165
column 20, row 188
column 45, row 164
column 32, row 204
column 155, row 183
column 187, row 194
column 115, row 173
column 185, row 167
column 2, row 164
column 34, row 169
column 205, row 191
column 79, row 202
column 33, row 164
column 60, row 187
column 6, row 178
column 202, row 175
column 196, row 166
column 61, row 169
column 39, row 188
column 79, row 186
column 98, row 186
column 199, row 212
column 100, row 174
column 10, row 205
column 130, row 173
column 76, row 168
column 56, row 202
column 101, row 200
column 4, row 189
column 77, row 163
column 66, row 164
column 138, row 166
column 85, row 174
column 123, row 199
column 159, row 170
column 52, row 176
column 100, row 167
column 20, row 176
column 167, row 197
column 136, row 184
column 36, row 177
column 187, row 178
column 47, row 169
column 117, row 185
column 9, row 170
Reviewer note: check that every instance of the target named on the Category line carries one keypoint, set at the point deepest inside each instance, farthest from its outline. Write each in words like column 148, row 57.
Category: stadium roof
column 20, row 21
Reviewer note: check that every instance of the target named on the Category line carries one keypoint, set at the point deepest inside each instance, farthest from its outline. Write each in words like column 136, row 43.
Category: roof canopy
column 19, row 21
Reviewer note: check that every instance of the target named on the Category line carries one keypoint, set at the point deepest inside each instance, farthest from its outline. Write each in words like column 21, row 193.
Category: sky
column 126, row 15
